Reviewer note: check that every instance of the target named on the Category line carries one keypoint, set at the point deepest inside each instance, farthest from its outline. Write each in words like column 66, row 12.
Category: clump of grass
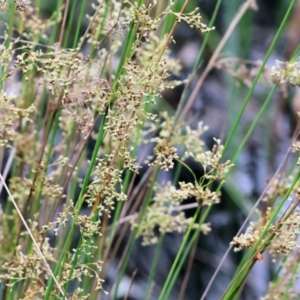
column 59, row 97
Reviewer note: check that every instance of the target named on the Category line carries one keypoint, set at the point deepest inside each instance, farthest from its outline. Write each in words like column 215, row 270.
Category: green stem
column 261, row 68
column 79, row 203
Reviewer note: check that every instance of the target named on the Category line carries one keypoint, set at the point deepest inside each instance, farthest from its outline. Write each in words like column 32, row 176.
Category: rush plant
column 82, row 115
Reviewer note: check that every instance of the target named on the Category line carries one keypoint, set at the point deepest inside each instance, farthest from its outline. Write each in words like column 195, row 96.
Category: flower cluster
column 29, row 24
column 105, row 187
column 210, row 160
column 165, row 154
column 142, row 17
column 285, row 72
column 9, row 115
column 247, row 239
column 201, row 193
column 193, row 19
column 286, row 233
column 243, row 70
column 114, row 26
column 162, row 215
column 60, row 69
column 282, row 235
column 28, row 267
column 287, row 281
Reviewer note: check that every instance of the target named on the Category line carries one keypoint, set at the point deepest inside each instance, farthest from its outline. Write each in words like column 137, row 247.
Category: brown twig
column 130, row 285
column 62, row 30
column 189, row 268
